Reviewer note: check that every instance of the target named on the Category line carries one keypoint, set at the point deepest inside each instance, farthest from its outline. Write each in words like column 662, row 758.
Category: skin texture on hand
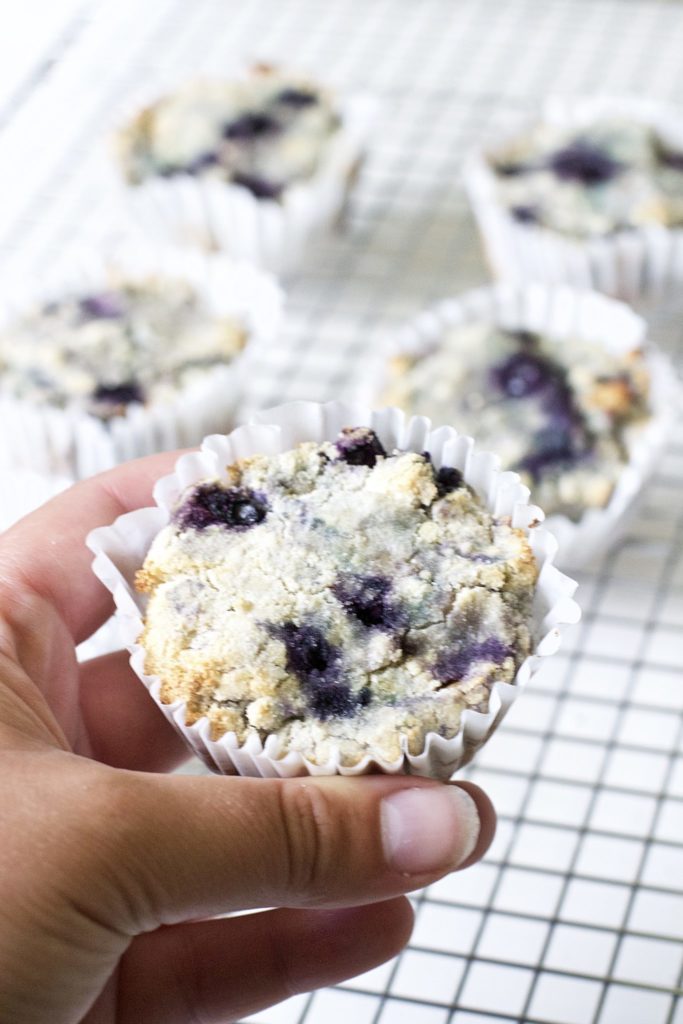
column 113, row 873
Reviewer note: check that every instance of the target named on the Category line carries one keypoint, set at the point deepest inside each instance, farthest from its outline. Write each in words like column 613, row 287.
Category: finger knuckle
column 313, row 835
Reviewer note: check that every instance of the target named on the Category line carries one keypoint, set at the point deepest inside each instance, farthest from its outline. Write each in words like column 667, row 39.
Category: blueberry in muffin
column 347, row 599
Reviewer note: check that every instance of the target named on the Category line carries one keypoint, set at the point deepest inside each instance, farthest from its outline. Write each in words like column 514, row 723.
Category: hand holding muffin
column 111, row 871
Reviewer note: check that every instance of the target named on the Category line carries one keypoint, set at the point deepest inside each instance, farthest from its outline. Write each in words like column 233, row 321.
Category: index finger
column 45, row 551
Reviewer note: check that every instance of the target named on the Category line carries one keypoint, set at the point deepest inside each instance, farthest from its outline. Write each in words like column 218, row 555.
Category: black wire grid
column 576, row 914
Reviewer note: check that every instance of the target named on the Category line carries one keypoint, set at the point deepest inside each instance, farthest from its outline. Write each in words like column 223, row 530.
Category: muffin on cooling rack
column 137, row 343
column 251, row 165
column 591, row 194
column 558, row 414
column 128, row 355
column 262, row 133
column 610, row 175
column 561, row 383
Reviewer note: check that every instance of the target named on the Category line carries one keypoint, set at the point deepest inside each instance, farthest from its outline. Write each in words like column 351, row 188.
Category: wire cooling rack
column 576, row 914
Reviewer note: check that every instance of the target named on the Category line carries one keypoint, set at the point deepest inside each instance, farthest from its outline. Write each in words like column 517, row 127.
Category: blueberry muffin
column 264, row 132
column 139, row 342
column 558, row 413
column 347, row 599
column 610, row 175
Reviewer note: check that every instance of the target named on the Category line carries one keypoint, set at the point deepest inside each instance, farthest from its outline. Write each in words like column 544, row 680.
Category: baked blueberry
column 359, row 446
column 310, row 656
column 524, row 214
column 125, row 393
column 318, row 665
column 297, row 98
column 448, row 479
column 585, row 162
column 523, row 374
column 251, row 126
column 236, row 508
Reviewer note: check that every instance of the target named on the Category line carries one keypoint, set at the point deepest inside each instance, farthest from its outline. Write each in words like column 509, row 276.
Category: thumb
column 200, row 846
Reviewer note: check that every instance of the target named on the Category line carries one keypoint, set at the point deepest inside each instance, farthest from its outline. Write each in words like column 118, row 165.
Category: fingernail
column 429, row 829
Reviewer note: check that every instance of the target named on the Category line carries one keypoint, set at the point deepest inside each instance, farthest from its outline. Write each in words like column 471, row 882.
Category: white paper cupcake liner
column 120, row 550
column 560, row 313
column 75, row 444
column 636, row 264
column 215, row 215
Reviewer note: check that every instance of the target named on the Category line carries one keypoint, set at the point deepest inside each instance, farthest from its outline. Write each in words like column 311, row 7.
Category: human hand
column 111, row 871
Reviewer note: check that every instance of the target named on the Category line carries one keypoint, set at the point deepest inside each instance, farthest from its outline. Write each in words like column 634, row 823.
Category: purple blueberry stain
column 368, row 599
column 584, row 162
column 125, row 393
column 455, row 663
column 523, row 374
column 103, row 306
column 317, row 664
column 524, row 214
column 250, row 126
column 553, row 446
column 237, row 508
column 359, row 446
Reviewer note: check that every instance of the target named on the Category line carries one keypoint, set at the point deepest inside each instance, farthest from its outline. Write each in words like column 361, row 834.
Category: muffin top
column 611, row 175
column 556, row 412
column 339, row 596
column 263, row 132
column 136, row 342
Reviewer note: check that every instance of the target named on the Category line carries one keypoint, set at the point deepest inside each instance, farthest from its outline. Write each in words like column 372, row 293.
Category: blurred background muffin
column 252, row 165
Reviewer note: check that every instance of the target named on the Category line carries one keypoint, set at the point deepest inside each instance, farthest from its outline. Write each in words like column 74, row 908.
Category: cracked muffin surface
column 340, row 596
